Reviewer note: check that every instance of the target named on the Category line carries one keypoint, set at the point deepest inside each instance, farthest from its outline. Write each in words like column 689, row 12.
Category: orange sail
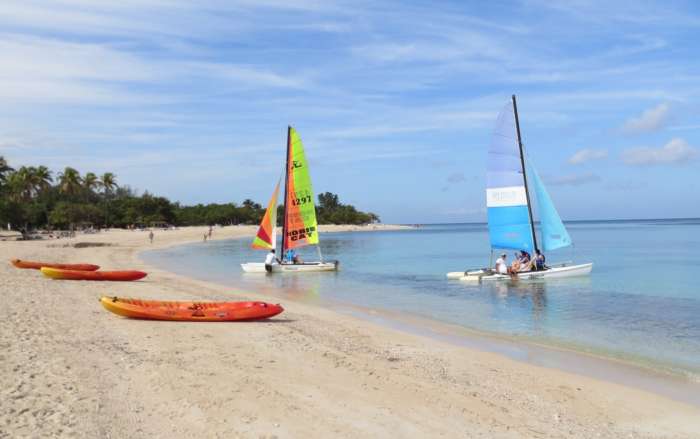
column 266, row 238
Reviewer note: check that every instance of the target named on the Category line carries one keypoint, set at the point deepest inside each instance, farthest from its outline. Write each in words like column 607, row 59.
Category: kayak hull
column 37, row 265
column 554, row 272
column 190, row 311
column 116, row 276
column 259, row 267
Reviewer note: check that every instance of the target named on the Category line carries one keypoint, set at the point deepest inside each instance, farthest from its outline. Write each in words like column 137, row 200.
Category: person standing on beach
column 210, row 229
column 150, row 236
column 205, row 237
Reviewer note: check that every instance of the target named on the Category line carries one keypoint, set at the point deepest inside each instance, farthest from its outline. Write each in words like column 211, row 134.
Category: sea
column 640, row 304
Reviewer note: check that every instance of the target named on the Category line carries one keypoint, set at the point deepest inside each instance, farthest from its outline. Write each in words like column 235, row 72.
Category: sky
column 395, row 101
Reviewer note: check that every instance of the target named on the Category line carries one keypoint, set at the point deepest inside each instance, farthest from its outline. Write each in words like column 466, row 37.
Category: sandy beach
column 71, row 369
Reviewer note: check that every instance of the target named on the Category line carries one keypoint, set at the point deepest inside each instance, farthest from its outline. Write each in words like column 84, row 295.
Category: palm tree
column 108, row 181
column 69, row 181
column 90, row 181
column 5, row 170
column 41, row 179
column 20, row 184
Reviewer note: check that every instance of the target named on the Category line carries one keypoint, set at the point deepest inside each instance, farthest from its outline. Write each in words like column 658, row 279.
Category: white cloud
column 573, row 179
column 651, row 120
column 677, row 151
column 587, row 155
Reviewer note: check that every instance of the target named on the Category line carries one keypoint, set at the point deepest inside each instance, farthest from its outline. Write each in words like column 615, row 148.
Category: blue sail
column 554, row 234
column 506, row 199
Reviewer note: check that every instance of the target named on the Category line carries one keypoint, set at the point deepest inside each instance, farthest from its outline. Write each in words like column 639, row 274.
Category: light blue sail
column 506, row 200
column 554, row 234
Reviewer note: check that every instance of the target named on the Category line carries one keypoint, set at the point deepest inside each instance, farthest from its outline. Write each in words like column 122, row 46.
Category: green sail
column 301, row 227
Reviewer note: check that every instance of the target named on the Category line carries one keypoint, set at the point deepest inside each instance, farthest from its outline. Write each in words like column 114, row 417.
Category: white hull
column 556, row 271
column 259, row 267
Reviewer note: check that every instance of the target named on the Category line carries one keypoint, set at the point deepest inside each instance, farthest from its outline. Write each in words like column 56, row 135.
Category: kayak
column 190, row 311
column 127, row 275
column 37, row 265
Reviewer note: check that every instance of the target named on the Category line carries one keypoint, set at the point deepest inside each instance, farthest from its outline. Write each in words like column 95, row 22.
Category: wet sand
column 71, row 369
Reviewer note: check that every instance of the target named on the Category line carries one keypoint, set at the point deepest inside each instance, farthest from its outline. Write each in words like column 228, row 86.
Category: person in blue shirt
column 289, row 257
column 539, row 261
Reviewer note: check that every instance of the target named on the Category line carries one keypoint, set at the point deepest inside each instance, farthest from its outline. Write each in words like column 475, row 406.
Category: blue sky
column 395, row 101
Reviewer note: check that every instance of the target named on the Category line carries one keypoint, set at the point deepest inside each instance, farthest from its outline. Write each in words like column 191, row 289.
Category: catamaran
column 299, row 227
column 509, row 208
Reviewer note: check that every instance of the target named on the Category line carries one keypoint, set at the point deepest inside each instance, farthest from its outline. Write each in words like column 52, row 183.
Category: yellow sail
column 300, row 211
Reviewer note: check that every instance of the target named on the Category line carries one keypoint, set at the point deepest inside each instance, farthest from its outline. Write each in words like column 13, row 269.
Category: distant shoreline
column 577, row 221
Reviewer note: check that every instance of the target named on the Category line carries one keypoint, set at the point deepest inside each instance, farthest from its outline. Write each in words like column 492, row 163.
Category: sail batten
column 509, row 219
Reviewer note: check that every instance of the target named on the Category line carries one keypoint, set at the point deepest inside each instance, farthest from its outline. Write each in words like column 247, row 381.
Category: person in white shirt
column 270, row 259
column 501, row 265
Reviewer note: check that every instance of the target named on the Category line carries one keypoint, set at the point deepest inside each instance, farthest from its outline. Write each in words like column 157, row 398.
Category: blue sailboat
column 510, row 176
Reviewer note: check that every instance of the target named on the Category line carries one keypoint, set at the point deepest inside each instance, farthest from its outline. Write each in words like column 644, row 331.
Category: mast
column 286, row 184
column 522, row 163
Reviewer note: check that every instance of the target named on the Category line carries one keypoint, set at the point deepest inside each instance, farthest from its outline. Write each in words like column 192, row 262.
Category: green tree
column 108, row 181
column 42, row 179
column 20, row 185
column 5, row 170
column 90, row 182
column 70, row 182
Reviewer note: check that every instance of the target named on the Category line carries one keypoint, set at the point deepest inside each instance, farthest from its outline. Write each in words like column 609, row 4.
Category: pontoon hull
column 259, row 267
column 559, row 271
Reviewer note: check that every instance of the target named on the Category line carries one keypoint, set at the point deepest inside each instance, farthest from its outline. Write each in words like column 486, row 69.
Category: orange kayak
column 55, row 273
column 190, row 311
column 37, row 265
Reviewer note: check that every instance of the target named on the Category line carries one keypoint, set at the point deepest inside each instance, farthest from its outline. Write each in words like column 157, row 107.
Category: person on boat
column 514, row 266
column 289, row 256
column 501, row 265
column 524, row 261
column 270, row 260
column 539, row 261
column 296, row 259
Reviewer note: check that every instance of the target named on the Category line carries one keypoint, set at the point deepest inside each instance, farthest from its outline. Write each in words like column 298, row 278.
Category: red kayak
column 190, row 311
column 125, row 275
column 37, row 265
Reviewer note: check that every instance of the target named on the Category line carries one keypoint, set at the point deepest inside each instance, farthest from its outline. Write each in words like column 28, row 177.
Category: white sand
column 68, row 368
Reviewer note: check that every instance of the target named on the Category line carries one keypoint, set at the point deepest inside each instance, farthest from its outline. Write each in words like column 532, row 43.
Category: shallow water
column 641, row 302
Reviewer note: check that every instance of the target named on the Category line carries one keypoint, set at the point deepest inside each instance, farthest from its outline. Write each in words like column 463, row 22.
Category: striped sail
column 266, row 238
column 506, row 199
column 554, row 234
column 300, row 211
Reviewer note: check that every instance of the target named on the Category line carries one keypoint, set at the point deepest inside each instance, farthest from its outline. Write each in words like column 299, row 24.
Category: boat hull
column 190, row 311
column 117, row 276
column 558, row 271
column 37, row 265
column 307, row 267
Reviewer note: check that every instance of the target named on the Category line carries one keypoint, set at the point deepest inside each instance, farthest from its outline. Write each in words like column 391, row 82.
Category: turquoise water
column 641, row 302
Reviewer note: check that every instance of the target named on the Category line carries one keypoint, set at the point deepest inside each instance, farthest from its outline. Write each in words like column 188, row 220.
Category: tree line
column 33, row 197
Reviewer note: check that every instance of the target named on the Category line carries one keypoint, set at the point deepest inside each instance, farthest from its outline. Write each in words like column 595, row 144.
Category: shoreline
column 73, row 368
column 659, row 378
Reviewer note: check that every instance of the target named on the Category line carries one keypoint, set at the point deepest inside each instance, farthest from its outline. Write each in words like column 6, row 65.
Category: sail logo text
column 506, row 196
column 298, row 234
